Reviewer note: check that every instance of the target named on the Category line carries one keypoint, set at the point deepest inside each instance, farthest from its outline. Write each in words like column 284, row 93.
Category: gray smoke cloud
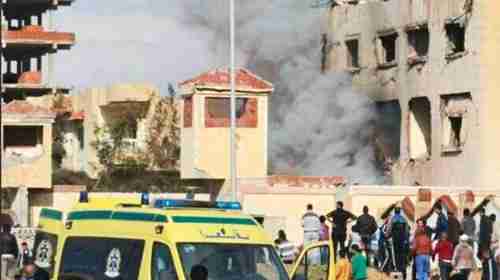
column 318, row 124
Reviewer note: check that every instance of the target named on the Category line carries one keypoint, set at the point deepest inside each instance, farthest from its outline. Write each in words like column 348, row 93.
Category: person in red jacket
column 444, row 250
column 422, row 250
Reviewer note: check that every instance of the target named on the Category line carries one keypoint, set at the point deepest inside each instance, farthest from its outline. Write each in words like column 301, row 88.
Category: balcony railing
column 36, row 35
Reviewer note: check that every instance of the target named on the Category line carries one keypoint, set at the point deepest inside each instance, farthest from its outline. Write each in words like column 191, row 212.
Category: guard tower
column 205, row 152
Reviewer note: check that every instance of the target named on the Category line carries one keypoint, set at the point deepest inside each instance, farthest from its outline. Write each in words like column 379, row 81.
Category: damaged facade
column 422, row 62
column 134, row 104
column 28, row 95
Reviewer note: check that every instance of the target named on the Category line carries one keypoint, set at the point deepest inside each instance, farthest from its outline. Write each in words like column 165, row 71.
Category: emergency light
column 144, row 198
column 84, row 197
column 182, row 203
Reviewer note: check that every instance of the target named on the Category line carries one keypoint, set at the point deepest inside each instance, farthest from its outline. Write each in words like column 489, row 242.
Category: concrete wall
column 205, row 150
column 31, row 174
column 489, row 116
column 283, row 205
column 433, row 79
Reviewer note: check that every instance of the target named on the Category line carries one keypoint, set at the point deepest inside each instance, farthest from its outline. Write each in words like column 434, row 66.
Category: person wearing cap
column 463, row 258
column 359, row 269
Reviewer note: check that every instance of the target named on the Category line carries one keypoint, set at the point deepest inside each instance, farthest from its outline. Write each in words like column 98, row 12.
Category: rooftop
column 36, row 35
column 220, row 80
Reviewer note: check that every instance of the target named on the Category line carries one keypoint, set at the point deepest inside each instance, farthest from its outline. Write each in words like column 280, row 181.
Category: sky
column 128, row 41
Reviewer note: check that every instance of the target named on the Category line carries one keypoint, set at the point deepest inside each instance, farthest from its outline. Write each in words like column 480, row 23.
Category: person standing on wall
column 339, row 218
column 367, row 227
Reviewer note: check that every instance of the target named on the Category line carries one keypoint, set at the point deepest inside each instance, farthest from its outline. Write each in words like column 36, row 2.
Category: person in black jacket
column 454, row 228
column 339, row 218
column 8, row 242
column 367, row 227
column 485, row 232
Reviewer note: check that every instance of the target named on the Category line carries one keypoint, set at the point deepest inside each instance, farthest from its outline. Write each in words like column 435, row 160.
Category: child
column 343, row 267
column 359, row 270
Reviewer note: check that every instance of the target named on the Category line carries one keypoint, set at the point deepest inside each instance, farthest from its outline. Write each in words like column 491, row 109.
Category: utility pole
column 234, row 186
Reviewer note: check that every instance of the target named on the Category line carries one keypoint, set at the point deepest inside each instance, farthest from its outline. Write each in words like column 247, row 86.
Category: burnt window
column 23, row 136
column 455, row 110
column 456, row 38
column 386, row 46
column 220, row 108
column 218, row 112
column 418, row 42
column 352, row 53
column 188, row 111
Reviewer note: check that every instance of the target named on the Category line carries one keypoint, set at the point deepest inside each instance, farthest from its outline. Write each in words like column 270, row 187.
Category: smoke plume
column 318, row 124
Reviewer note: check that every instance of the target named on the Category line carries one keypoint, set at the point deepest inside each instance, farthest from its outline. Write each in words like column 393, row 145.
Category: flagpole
column 234, row 187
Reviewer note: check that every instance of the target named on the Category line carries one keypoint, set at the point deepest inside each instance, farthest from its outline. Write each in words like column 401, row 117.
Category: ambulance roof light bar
column 186, row 203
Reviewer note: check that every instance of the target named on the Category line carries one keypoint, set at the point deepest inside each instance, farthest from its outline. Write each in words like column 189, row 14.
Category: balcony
column 29, row 81
column 36, row 36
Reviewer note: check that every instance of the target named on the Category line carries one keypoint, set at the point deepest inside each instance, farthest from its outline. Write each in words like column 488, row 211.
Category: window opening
column 418, row 44
column 162, row 264
column 456, row 38
column 352, row 53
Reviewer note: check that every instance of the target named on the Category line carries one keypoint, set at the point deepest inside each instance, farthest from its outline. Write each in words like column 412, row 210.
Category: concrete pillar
column 424, row 202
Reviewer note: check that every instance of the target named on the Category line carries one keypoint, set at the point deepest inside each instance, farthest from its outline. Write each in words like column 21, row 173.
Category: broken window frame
column 452, row 51
column 350, row 59
column 427, row 136
column 453, row 141
column 415, row 53
column 381, row 49
column 246, row 112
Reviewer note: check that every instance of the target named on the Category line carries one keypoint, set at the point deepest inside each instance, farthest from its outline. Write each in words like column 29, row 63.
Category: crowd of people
column 395, row 246
column 18, row 263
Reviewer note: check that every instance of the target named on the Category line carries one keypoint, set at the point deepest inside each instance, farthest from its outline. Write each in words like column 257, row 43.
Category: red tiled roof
column 20, row 107
column 245, row 80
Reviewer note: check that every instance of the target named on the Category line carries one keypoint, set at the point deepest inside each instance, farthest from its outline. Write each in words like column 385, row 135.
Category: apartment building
column 433, row 72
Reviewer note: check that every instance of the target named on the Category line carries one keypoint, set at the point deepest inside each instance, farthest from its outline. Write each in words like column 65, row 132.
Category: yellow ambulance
column 129, row 239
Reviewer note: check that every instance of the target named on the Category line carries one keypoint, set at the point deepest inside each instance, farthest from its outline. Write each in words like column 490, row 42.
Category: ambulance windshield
column 233, row 261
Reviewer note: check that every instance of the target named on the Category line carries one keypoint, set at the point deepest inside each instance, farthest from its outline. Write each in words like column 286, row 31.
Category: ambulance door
column 47, row 238
column 162, row 262
column 315, row 263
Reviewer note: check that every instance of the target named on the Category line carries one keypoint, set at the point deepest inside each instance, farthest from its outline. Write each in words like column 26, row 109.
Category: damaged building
column 431, row 68
column 28, row 94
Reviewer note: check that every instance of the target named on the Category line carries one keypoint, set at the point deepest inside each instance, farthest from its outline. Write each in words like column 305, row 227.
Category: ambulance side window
column 162, row 263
